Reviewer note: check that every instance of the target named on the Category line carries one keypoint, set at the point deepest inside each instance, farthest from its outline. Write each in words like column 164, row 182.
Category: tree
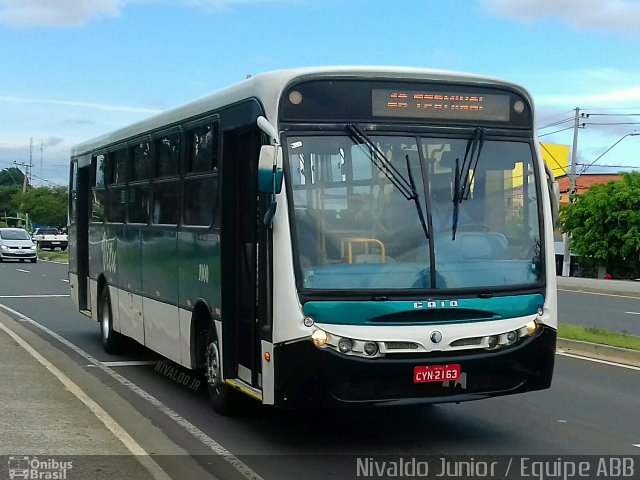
column 8, row 198
column 45, row 205
column 604, row 224
column 11, row 176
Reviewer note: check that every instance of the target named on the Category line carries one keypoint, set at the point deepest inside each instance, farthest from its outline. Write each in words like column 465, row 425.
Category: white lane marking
column 597, row 293
column 36, row 296
column 633, row 313
column 596, row 360
column 636, row 445
column 120, row 433
column 21, row 270
column 131, row 363
column 218, row 449
column 64, row 280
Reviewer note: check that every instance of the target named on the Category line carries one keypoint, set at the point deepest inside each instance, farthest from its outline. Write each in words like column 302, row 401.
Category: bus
column 320, row 237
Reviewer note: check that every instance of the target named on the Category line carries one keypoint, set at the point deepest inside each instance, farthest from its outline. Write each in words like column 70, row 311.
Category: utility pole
column 24, row 188
column 566, row 265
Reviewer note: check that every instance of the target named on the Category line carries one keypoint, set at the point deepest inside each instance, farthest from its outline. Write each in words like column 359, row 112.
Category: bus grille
column 401, row 345
column 465, row 342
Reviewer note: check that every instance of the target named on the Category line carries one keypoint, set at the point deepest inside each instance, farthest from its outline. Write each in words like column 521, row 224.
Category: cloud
column 621, row 16
column 88, row 105
column 222, row 4
column 70, row 13
column 53, row 141
column 56, row 13
column 611, row 98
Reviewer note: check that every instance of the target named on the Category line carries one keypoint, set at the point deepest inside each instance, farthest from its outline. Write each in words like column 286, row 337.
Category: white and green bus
column 326, row 236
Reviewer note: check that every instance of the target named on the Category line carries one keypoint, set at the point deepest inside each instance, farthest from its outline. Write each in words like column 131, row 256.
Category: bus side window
column 199, row 200
column 138, row 206
column 98, row 164
column 201, row 151
column 166, row 203
column 167, row 154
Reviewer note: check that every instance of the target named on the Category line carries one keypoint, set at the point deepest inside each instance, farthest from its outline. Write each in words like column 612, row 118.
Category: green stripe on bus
column 479, row 309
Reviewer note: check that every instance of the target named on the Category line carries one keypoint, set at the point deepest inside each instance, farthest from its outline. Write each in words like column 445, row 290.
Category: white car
column 16, row 244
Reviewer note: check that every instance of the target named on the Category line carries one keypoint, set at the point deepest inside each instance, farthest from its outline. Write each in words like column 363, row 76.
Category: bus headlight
column 319, row 338
column 512, row 337
column 370, row 348
column 492, row 342
column 345, row 345
column 532, row 326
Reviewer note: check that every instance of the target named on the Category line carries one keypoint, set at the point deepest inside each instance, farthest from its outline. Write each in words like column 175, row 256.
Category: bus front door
column 240, row 231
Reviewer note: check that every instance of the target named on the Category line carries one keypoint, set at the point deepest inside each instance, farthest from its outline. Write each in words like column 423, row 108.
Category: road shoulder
column 597, row 351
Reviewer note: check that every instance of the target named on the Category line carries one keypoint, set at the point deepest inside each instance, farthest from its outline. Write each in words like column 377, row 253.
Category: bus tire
column 111, row 340
column 222, row 396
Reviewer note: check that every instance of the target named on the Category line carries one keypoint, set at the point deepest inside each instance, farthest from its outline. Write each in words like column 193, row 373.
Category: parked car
column 50, row 238
column 16, row 244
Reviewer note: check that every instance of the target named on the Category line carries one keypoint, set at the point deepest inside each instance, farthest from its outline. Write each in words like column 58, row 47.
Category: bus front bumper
column 310, row 377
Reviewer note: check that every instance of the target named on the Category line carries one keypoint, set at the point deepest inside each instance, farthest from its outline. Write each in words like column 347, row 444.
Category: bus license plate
column 436, row 373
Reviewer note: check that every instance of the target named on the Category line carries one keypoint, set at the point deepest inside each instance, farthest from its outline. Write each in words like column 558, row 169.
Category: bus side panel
column 130, row 279
column 110, row 245
column 96, row 268
column 160, row 288
column 199, row 268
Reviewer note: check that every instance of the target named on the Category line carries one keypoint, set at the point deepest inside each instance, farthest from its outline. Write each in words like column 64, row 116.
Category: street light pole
column 566, row 263
column 632, row 134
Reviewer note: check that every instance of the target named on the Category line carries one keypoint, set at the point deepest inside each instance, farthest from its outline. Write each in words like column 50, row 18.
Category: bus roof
column 267, row 88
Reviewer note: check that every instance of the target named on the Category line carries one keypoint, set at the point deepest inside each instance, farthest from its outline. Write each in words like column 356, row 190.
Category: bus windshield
column 355, row 228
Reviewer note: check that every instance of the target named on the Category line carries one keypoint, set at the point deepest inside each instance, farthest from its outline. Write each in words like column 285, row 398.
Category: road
column 592, row 408
column 617, row 313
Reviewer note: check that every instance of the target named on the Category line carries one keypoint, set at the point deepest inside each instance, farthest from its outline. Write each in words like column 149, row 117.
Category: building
column 583, row 183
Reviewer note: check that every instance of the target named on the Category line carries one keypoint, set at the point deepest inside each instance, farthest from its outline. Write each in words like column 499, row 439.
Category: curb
column 597, row 351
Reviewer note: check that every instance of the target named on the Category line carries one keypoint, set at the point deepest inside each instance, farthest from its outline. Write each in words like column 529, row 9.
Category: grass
column 598, row 335
column 53, row 256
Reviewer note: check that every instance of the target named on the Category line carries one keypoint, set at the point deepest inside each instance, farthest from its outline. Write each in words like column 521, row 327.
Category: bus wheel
column 221, row 394
column 111, row 340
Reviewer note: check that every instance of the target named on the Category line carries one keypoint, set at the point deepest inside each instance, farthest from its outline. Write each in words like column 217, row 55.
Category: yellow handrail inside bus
column 366, row 241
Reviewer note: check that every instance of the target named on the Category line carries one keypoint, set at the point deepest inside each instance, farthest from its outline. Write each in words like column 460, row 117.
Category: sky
column 75, row 69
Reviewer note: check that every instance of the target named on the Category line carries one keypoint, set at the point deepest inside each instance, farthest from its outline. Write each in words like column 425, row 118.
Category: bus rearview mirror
column 270, row 169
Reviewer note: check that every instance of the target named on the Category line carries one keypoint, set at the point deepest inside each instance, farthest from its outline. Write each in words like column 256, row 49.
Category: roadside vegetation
column 604, row 224
column 45, row 205
column 55, row 256
column 598, row 335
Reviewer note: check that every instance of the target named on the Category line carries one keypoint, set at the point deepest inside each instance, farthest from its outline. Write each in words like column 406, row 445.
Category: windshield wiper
column 385, row 166
column 462, row 181
column 417, row 200
column 406, row 188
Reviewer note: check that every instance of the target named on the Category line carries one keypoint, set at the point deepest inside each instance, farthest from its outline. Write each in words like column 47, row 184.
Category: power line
column 557, row 131
column 611, row 166
column 554, row 158
column 559, row 122
column 613, row 123
column 612, row 114
column 553, row 116
column 49, row 181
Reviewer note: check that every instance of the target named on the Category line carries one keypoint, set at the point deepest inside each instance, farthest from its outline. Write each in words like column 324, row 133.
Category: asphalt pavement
column 626, row 288
column 47, row 417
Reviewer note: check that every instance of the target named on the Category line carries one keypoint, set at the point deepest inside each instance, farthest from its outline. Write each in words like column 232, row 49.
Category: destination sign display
column 440, row 104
